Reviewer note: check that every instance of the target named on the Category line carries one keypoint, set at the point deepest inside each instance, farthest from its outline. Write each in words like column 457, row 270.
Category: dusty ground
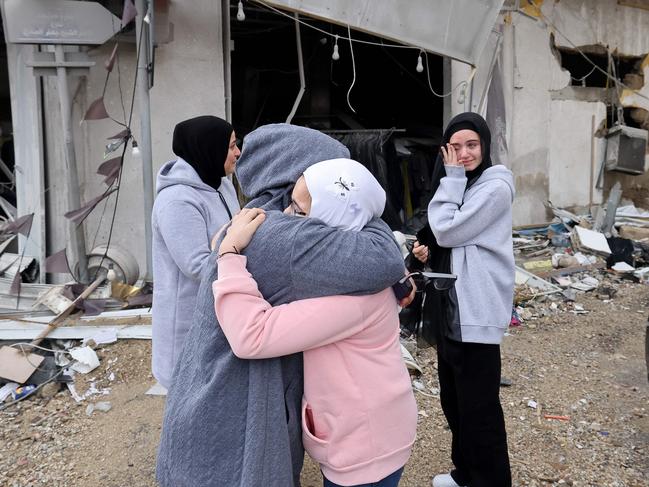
column 588, row 367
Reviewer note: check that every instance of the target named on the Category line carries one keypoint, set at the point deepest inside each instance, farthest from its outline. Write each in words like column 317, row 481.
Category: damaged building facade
column 560, row 107
column 549, row 108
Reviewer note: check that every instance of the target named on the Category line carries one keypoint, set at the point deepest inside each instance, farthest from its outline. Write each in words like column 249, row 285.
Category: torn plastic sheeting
column 7, row 389
column 103, row 406
column 543, row 230
column 642, row 274
column 92, row 391
column 409, row 360
column 102, row 337
column 584, row 259
column 586, row 284
column 86, row 358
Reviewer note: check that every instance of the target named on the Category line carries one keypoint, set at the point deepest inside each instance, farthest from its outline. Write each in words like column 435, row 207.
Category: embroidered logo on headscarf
column 342, row 187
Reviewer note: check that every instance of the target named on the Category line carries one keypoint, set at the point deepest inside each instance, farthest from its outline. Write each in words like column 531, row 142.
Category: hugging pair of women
column 280, row 284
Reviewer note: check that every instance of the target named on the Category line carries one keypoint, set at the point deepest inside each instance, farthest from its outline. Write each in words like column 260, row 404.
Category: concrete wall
column 188, row 82
column 575, row 154
column 534, row 72
column 550, row 136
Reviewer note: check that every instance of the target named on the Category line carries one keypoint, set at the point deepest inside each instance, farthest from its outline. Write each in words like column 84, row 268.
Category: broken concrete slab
column 584, row 238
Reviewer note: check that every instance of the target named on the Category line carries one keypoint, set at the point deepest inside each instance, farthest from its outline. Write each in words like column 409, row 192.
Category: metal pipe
column 300, row 64
column 447, row 113
column 75, row 232
column 144, row 142
column 227, row 58
column 7, row 172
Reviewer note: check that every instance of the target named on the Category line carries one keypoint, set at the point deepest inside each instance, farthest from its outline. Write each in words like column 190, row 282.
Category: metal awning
column 457, row 29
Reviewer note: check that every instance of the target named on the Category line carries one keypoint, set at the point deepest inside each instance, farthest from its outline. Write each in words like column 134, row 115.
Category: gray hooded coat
column 186, row 213
column 236, row 423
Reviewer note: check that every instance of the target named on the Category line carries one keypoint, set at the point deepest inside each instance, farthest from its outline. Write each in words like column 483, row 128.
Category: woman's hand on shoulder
column 242, row 228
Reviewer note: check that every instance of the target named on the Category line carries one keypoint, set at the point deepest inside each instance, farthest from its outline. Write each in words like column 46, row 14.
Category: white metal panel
column 457, row 29
column 28, row 147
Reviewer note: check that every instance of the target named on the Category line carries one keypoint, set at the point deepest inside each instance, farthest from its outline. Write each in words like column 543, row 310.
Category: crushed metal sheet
column 524, row 277
column 631, row 215
column 54, row 300
column 28, row 331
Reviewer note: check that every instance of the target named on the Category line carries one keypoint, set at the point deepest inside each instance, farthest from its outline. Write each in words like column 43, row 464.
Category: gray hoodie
column 186, row 213
column 477, row 226
column 236, row 423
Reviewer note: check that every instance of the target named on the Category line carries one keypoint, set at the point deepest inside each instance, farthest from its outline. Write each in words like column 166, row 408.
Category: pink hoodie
column 359, row 415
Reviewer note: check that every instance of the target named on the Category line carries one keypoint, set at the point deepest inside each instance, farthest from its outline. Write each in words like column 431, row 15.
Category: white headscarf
column 344, row 194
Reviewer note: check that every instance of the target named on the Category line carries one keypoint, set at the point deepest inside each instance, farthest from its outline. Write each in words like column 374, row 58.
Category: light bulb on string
column 420, row 64
column 335, row 56
column 241, row 16
column 135, row 150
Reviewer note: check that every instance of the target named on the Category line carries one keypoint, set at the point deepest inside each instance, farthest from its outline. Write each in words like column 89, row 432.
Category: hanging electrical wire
column 463, row 83
column 351, row 48
column 360, row 41
column 583, row 78
column 128, row 137
column 336, row 55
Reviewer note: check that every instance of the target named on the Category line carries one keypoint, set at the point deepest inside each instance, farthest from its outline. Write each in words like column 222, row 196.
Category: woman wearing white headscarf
column 359, row 415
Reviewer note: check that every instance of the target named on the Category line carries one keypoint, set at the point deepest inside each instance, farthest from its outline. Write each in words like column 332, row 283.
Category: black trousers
column 469, row 379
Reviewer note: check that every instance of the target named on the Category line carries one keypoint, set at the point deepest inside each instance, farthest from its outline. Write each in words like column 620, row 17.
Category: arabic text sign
column 58, row 22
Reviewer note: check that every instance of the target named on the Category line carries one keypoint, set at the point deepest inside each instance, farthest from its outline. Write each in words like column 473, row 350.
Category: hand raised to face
column 450, row 155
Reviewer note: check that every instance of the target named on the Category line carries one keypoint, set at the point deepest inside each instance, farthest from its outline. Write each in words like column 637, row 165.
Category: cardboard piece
column 18, row 366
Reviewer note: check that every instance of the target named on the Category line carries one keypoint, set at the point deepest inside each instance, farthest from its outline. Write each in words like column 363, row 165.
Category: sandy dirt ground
column 588, row 367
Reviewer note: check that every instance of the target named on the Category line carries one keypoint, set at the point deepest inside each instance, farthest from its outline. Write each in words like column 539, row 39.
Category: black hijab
column 440, row 256
column 204, row 143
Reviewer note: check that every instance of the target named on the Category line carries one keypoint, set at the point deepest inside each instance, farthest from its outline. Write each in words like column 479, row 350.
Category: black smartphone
column 425, row 235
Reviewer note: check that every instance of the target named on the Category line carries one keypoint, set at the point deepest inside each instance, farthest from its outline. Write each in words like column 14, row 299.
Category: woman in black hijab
column 469, row 234
column 194, row 199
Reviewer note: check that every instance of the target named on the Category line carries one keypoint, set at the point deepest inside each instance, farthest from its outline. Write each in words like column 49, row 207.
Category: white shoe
column 444, row 480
